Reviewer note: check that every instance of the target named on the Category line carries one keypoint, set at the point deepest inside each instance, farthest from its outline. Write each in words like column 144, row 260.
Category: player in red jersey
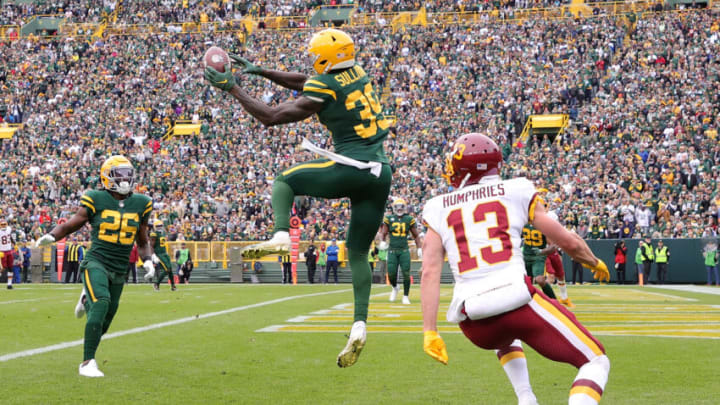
column 6, row 248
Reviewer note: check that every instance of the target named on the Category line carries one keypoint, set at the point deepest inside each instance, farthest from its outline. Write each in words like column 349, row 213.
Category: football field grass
column 277, row 344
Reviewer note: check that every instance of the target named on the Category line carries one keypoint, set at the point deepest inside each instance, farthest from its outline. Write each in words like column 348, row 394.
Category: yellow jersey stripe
column 587, row 391
column 147, row 210
column 511, row 356
column 324, row 91
column 149, row 204
column 88, row 205
column 316, row 83
column 568, row 323
column 309, row 166
column 89, row 286
column 88, row 198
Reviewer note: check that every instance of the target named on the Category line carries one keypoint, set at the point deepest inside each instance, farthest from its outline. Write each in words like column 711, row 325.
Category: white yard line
column 65, row 345
column 27, row 300
column 691, row 288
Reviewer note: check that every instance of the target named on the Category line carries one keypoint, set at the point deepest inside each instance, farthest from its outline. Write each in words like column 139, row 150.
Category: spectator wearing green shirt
column 322, row 262
column 711, row 258
column 639, row 261
column 382, row 248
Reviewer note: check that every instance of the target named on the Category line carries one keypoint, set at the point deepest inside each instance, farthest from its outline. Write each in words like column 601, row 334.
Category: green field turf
column 279, row 344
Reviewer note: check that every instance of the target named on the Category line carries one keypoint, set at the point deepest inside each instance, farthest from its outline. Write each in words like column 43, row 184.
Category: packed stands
column 641, row 151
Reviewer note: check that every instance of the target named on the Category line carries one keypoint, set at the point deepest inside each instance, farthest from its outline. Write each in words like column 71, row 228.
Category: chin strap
column 465, row 179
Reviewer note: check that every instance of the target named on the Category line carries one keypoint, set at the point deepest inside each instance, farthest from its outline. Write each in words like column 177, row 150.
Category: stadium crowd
column 640, row 155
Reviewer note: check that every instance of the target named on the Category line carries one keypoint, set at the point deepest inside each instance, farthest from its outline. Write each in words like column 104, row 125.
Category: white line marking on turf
column 691, row 288
column 65, row 345
column 677, row 297
column 27, row 300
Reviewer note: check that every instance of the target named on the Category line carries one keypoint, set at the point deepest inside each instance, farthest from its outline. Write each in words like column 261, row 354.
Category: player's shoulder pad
column 319, row 88
column 90, row 199
column 432, row 207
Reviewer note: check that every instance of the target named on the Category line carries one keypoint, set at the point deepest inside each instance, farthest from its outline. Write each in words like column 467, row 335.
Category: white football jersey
column 5, row 239
column 481, row 230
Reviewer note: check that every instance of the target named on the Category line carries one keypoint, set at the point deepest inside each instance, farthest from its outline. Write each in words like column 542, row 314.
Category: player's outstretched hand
column 223, row 81
column 434, row 346
column 600, row 271
column 247, row 66
column 45, row 240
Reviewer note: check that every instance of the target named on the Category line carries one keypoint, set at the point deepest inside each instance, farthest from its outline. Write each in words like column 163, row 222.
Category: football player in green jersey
column 535, row 251
column 398, row 225
column 342, row 96
column 117, row 218
column 160, row 258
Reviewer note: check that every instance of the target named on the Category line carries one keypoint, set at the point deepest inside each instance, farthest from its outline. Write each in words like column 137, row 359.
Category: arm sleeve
column 88, row 202
column 317, row 90
column 147, row 211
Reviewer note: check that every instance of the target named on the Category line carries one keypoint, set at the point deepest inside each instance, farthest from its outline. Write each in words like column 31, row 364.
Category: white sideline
column 689, row 288
column 65, row 345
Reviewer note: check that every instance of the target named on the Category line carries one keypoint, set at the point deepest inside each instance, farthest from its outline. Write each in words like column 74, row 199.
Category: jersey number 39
column 467, row 260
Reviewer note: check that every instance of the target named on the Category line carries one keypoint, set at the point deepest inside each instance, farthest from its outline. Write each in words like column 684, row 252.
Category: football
column 216, row 58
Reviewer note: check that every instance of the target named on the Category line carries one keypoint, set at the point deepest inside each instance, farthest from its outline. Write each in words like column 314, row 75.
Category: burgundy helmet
column 474, row 154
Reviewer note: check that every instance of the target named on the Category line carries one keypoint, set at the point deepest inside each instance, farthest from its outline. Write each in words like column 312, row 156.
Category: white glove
column 155, row 259
column 45, row 240
column 180, row 272
column 419, row 253
column 149, row 269
column 383, row 245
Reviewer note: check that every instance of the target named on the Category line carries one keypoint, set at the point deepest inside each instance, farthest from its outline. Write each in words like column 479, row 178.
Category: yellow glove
column 600, row 271
column 434, row 346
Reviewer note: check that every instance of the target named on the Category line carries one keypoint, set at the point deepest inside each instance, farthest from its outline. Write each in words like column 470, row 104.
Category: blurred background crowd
column 640, row 156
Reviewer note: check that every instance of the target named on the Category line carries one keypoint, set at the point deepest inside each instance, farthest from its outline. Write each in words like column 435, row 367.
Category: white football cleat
column 80, row 306
column 393, row 294
column 406, row 300
column 354, row 346
column 278, row 245
column 90, row 370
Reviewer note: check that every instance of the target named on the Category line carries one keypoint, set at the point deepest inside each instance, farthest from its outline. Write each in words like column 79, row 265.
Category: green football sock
column 362, row 282
column 282, row 199
column 94, row 328
column 548, row 291
column 406, row 283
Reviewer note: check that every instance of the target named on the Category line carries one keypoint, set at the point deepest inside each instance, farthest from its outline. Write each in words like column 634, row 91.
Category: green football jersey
column 399, row 229
column 160, row 246
column 532, row 238
column 114, row 226
column 351, row 112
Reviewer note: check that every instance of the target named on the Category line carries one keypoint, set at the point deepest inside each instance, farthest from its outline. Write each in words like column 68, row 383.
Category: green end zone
column 604, row 310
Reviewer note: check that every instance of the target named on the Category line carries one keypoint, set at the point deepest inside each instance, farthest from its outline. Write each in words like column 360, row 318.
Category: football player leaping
column 342, row 96
column 397, row 226
column 117, row 218
column 479, row 226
